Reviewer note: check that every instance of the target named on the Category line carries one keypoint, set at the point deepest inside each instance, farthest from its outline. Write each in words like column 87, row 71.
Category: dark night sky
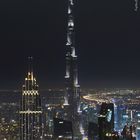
column 107, row 42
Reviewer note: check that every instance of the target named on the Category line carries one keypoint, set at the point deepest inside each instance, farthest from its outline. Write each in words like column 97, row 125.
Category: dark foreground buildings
column 62, row 129
column 106, row 121
column 93, row 131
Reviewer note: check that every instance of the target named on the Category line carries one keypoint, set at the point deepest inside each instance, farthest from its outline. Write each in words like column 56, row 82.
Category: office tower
column 106, row 121
column 72, row 92
column 30, row 109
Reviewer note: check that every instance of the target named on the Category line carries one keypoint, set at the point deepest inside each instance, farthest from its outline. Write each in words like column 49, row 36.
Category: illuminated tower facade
column 30, row 109
column 72, row 92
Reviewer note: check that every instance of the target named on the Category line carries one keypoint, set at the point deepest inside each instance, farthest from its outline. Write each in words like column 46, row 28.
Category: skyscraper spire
column 30, row 68
column 70, row 27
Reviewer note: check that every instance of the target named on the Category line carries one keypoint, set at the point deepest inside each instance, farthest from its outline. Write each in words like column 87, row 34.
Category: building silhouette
column 30, row 109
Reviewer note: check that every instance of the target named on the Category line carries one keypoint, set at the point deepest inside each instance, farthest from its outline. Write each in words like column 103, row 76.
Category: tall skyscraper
column 106, row 121
column 30, row 109
column 72, row 92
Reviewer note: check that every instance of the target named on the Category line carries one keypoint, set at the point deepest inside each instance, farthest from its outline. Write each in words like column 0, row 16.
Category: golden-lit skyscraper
column 30, row 109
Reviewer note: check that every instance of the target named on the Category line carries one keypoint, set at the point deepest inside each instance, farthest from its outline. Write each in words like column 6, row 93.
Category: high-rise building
column 30, row 109
column 106, row 121
column 72, row 92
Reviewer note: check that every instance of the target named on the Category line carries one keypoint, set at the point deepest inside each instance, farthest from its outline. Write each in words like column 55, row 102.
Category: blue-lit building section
column 138, row 127
column 116, row 118
column 122, row 117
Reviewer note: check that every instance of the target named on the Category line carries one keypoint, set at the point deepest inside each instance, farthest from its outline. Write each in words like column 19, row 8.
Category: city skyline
column 107, row 43
column 69, row 70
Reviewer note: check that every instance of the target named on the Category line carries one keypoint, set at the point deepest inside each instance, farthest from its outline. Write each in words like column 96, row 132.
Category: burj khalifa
column 72, row 87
